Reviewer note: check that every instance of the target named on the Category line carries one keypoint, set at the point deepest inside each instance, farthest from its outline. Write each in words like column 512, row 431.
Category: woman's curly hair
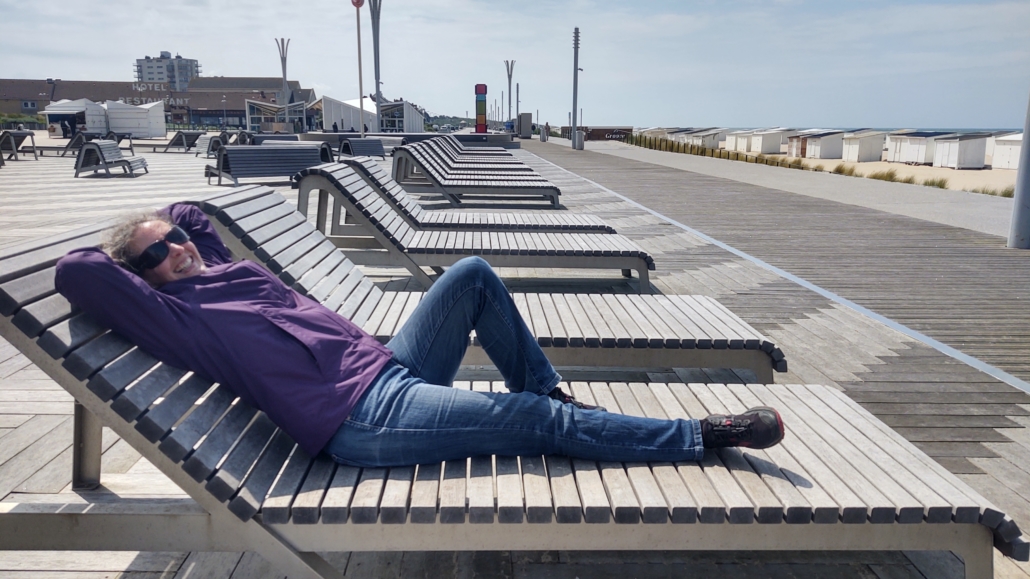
column 117, row 238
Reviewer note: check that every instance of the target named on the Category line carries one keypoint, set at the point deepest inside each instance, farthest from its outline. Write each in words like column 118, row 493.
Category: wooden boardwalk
column 825, row 343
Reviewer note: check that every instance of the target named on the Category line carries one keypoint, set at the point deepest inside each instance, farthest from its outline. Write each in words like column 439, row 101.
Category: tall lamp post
column 509, row 65
column 224, row 123
column 361, row 88
column 1019, row 232
column 575, row 85
column 374, row 7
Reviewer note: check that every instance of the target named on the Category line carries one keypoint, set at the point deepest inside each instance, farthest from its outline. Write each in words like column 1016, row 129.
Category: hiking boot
column 560, row 395
column 759, row 427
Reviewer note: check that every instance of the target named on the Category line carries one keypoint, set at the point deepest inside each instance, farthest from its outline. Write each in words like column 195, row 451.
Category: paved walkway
column 974, row 211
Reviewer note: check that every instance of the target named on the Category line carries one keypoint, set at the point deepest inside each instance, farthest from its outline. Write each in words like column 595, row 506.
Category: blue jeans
column 410, row 415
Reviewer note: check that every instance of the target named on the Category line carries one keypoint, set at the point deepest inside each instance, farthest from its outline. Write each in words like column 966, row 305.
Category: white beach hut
column 961, row 151
column 347, row 115
column 1006, row 151
column 892, row 145
column 826, row 145
column 142, row 122
column 917, row 147
column 80, row 112
column 770, row 140
column 739, row 140
column 863, row 146
column 709, row 138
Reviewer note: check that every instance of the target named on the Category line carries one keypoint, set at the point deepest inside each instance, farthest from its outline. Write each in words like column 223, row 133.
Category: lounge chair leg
column 978, row 556
column 322, row 213
column 645, row 280
column 437, row 269
column 86, row 449
column 627, row 273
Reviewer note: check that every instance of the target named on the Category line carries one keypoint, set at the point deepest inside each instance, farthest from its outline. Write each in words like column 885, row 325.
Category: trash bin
column 578, row 143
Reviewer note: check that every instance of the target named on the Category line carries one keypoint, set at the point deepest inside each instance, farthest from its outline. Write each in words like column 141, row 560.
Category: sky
column 746, row 63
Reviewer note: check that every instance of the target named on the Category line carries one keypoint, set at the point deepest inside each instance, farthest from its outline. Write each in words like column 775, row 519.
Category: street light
column 224, row 124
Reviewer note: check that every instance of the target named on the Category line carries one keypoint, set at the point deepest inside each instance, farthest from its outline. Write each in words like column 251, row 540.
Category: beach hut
column 917, row 147
column 142, row 122
column 770, row 140
column 961, row 151
column 739, row 140
column 797, row 145
column 892, row 145
column 825, row 145
column 80, row 114
column 1006, row 151
column 709, row 138
column 863, row 146
column 989, row 155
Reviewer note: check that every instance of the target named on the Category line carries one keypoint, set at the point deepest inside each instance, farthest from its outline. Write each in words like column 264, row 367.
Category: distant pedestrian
column 336, row 129
column 65, row 130
column 366, row 128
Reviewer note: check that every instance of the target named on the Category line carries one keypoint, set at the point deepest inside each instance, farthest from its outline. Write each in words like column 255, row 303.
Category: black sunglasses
column 157, row 252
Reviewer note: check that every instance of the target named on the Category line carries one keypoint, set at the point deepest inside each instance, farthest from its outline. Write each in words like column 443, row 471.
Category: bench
column 97, row 155
column 184, row 140
column 420, row 172
column 362, row 147
column 73, row 146
column 236, row 162
column 258, row 139
column 841, row 479
column 11, row 142
column 412, row 247
column 412, row 211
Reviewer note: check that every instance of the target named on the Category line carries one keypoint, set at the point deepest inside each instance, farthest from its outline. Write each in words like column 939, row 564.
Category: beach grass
column 842, row 169
column 1009, row 191
column 939, row 182
column 888, row 175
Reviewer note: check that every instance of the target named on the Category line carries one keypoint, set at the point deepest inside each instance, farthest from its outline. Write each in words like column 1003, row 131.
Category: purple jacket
column 237, row 324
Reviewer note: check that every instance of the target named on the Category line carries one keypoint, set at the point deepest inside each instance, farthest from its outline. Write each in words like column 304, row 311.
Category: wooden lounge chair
column 449, row 147
column 411, row 247
column 418, row 171
column 412, row 211
column 276, row 159
column 362, row 147
column 453, row 164
column 841, row 479
column 184, row 140
column 257, row 223
column 209, row 144
column 97, row 155
column 11, row 143
column 73, row 146
column 462, row 148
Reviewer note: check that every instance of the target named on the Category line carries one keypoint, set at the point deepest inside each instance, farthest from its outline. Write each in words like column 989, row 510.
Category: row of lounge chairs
column 444, row 167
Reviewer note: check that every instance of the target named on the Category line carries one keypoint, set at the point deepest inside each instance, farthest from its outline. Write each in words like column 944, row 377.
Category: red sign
column 357, row 3
column 480, row 89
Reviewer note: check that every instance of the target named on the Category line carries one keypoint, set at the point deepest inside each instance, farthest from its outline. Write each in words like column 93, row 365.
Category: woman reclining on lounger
column 169, row 285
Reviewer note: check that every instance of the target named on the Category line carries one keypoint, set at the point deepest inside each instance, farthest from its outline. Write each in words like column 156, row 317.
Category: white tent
column 1006, row 151
column 346, row 114
column 84, row 113
column 401, row 117
column 863, row 146
column 961, row 151
column 143, row 122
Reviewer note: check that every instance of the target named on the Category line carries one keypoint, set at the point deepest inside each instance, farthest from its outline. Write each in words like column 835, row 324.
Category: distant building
column 863, row 146
column 740, row 140
column 176, row 72
column 1006, row 151
column 825, row 145
column 24, row 96
column 709, row 138
column 961, row 151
